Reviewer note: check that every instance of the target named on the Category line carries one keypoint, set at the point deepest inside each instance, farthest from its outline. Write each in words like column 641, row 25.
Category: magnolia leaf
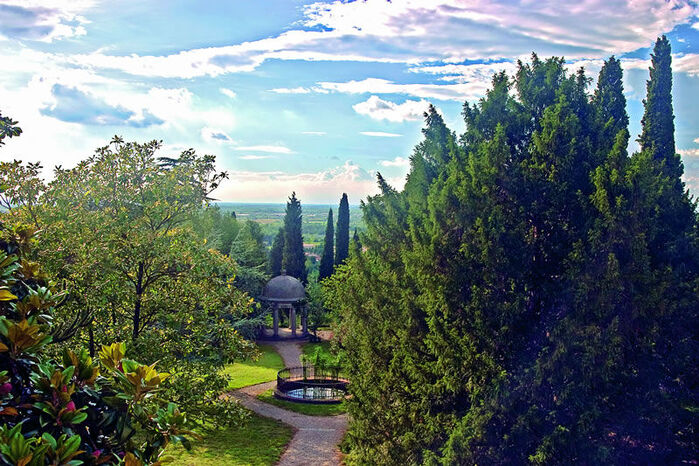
column 5, row 295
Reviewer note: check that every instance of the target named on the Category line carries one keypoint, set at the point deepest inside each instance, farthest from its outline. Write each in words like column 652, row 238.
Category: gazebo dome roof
column 284, row 289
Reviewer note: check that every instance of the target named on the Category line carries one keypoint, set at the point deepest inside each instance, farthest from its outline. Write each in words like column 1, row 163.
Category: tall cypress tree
column 667, row 208
column 658, row 133
column 276, row 254
column 609, row 105
column 342, row 232
column 326, row 260
column 294, row 258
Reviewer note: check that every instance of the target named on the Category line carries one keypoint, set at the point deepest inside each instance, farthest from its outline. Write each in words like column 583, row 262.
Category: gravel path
column 290, row 351
column 317, row 437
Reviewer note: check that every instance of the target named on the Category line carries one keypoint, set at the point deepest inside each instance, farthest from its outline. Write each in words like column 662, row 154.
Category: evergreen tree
column 294, row 260
column 276, row 254
column 326, row 260
column 342, row 231
column 248, row 251
column 526, row 297
column 357, row 241
column 658, row 123
column 610, row 105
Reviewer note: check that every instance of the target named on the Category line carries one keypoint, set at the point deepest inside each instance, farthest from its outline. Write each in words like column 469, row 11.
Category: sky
column 312, row 97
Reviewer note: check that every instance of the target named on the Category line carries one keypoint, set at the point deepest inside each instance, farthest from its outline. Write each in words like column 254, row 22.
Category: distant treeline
column 271, row 218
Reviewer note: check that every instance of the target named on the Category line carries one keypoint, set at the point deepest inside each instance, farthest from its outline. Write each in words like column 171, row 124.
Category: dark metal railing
column 311, row 373
column 308, row 383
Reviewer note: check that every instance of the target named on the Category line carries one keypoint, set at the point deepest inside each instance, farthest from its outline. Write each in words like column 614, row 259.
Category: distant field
column 271, row 217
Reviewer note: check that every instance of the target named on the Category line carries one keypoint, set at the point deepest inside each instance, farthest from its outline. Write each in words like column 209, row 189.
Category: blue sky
column 314, row 97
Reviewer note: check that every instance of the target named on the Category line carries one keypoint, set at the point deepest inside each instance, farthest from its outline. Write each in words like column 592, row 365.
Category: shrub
column 71, row 410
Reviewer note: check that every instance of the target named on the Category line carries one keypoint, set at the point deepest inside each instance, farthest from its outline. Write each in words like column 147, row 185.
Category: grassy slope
column 247, row 373
column 259, row 442
column 303, row 408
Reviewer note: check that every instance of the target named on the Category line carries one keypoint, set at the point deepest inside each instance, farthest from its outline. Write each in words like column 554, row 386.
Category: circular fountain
column 311, row 384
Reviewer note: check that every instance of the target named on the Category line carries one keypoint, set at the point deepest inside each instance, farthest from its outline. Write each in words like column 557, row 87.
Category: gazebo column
column 275, row 318
column 292, row 319
column 304, row 320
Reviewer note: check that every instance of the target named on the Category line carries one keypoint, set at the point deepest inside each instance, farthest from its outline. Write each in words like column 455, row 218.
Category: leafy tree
column 276, row 254
column 8, row 128
column 122, row 229
column 342, row 232
column 326, row 260
column 294, row 257
column 71, row 410
column 138, row 212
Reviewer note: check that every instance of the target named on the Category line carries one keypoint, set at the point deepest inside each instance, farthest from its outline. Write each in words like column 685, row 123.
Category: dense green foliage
column 249, row 252
column 326, row 260
column 276, row 254
column 531, row 295
column 70, row 410
column 132, row 238
column 342, row 231
column 294, row 259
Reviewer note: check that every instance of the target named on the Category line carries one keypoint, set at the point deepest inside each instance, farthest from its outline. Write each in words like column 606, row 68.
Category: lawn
column 309, row 350
column 260, row 441
column 303, row 408
column 264, row 369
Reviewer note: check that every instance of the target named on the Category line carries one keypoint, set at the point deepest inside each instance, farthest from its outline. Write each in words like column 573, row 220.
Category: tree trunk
column 92, row 340
column 137, row 306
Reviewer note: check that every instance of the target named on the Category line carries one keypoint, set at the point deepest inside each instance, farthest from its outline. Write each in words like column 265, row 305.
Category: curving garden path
column 316, row 438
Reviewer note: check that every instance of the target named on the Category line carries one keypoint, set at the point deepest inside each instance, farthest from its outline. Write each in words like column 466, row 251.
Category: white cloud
column 689, row 152
column 311, row 187
column 695, row 25
column 228, row 93
column 263, row 148
column 467, row 73
column 379, row 109
column 254, row 157
column 293, row 90
column 397, row 162
column 457, row 92
column 696, row 140
column 688, row 63
column 486, row 28
column 379, row 134
column 314, row 133
column 43, row 21
column 412, row 32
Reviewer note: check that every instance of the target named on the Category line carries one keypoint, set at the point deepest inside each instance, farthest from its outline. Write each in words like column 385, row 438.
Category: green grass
column 303, row 408
column 247, row 373
column 309, row 350
column 259, row 442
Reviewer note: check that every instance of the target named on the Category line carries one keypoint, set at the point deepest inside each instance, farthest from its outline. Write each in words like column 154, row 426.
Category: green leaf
column 5, row 295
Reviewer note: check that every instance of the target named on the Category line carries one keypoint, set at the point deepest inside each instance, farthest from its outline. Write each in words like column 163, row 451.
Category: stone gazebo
column 285, row 292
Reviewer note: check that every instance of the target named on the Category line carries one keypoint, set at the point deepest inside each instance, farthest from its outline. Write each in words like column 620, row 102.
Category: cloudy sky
column 313, row 97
